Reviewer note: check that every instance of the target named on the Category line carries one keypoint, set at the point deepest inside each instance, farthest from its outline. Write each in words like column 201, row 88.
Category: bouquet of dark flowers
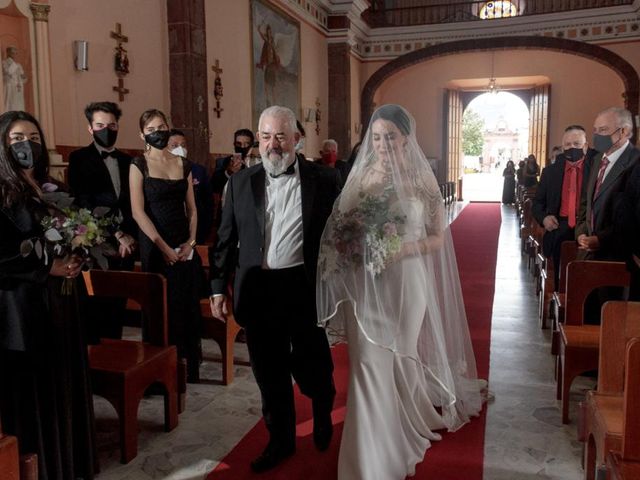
column 83, row 233
column 369, row 235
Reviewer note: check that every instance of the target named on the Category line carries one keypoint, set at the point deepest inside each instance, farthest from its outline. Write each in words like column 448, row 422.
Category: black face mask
column 573, row 154
column 26, row 153
column 244, row 151
column 158, row 139
column 106, row 137
column 603, row 143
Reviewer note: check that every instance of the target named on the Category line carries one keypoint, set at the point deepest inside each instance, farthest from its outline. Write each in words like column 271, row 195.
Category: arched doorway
column 461, row 56
column 495, row 130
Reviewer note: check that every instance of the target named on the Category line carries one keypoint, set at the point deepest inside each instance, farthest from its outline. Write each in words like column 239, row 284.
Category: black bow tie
column 289, row 171
column 104, row 154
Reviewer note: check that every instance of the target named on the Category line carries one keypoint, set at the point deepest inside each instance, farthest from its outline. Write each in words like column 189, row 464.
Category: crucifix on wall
column 121, row 61
column 217, row 87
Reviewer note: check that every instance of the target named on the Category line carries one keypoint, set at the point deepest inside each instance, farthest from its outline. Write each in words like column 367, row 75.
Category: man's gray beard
column 278, row 165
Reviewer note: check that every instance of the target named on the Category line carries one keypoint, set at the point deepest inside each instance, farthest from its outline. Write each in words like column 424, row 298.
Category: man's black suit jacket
column 605, row 204
column 243, row 223
column 91, row 184
column 549, row 193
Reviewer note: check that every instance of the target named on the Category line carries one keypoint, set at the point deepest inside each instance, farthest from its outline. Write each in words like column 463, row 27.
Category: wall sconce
column 81, row 55
column 309, row 115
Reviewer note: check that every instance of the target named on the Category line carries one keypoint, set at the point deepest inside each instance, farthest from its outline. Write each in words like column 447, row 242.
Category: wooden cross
column 216, row 68
column 217, row 88
column 121, row 90
column 118, row 35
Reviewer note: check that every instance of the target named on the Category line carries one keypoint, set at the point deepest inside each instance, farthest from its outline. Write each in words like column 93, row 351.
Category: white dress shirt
column 283, row 221
column 613, row 158
column 114, row 171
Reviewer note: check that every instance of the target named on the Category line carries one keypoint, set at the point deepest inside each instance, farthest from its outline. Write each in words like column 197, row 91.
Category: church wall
column 229, row 41
column 145, row 23
column 576, row 88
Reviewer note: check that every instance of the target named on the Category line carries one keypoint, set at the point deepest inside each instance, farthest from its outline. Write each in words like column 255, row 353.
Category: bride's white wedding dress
column 388, row 283
column 390, row 418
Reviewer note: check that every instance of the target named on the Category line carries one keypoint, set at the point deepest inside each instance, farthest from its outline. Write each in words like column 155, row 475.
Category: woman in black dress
column 531, row 172
column 163, row 205
column 509, row 185
column 45, row 395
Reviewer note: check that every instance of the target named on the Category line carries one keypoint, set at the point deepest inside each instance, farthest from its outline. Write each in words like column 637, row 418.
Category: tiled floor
column 524, row 438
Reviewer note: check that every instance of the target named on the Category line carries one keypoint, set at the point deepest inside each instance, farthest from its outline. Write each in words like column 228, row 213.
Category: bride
column 388, row 283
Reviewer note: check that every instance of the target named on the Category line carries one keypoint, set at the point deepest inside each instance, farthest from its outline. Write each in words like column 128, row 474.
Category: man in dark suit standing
column 99, row 177
column 555, row 205
column 596, row 232
column 275, row 213
column 608, row 178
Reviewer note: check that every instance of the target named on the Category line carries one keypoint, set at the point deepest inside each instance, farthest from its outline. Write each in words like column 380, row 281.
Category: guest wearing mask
column 555, row 205
column 531, row 172
column 603, row 194
column 201, row 186
column 98, row 177
column 163, row 205
column 329, row 158
column 45, row 395
column 243, row 140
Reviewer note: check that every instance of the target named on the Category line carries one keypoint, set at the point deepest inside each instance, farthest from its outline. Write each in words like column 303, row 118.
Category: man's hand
column 218, row 305
column 550, row 223
column 589, row 243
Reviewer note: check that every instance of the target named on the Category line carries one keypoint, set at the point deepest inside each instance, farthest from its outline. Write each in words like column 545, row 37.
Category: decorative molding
column 623, row 69
column 40, row 11
column 313, row 11
column 593, row 26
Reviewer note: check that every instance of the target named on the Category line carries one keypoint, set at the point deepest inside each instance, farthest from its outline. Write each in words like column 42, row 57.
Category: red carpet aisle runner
column 459, row 456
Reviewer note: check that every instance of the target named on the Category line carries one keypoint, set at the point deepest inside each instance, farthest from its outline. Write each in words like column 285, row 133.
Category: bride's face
column 388, row 141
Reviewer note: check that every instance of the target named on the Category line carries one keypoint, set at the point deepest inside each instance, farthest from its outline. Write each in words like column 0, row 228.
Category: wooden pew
column 9, row 458
column 568, row 253
column 579, row 343
column 122, row 370
column 224, row 333
column 625, row 464
column 602, row 410
column 14, row 466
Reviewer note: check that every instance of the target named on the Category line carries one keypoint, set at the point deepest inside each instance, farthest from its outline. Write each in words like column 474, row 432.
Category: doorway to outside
column 495, row 130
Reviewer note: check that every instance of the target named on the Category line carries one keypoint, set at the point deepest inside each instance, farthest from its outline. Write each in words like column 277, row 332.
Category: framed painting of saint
column 275, row 42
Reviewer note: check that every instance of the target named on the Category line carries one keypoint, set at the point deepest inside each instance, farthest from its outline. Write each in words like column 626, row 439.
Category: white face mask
column 180, row 151
column 300, row 144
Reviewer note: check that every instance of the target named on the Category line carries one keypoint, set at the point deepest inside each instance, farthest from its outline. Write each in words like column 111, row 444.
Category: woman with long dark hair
column 45, row 396
column 509, row 185
column 163, row 205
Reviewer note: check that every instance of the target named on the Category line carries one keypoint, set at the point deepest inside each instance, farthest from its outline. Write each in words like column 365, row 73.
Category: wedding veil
column 387, row 261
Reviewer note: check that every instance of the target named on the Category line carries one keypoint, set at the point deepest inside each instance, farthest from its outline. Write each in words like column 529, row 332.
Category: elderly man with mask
column 272, row 221
column 603, row 196
column 555, row 205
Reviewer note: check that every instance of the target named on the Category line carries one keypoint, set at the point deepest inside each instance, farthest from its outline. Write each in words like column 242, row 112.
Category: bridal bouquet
column 83, row 233
column 368, row 235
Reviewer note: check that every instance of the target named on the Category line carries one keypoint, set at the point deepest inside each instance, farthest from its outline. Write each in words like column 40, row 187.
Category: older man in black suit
column 596, row 232
column 610, row 171
column 555, row 205
column 99, row 177
column 274, row 214
column 628, row 229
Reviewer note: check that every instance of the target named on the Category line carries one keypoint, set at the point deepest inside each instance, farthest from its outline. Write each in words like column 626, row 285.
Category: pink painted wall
column 577, row 92
column 229, row 40
column 145, row 23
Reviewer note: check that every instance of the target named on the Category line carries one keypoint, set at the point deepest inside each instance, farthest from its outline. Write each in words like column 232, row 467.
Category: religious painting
column 276, row 59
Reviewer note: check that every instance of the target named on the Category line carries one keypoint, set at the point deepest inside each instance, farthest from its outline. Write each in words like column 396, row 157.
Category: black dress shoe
column 322, row 432
column 271, row 457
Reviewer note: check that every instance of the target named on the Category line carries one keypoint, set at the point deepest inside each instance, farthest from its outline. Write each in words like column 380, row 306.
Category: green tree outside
column 472, row 133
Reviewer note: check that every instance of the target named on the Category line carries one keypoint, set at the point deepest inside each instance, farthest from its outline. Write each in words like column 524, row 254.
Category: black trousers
column 284, row 340
column 552, row 244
